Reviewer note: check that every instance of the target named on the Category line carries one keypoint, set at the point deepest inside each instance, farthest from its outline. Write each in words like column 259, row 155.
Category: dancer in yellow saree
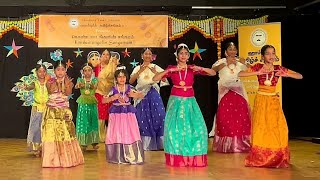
column 60, row 147
column 269, row 127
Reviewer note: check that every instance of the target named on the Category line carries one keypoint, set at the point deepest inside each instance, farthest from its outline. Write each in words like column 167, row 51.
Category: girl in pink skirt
column 123, row 141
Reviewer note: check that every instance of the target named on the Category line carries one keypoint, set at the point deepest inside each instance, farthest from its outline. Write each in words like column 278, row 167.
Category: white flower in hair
column 120, row 67
column 48, row 66
column 183, row 45
column 93, row 53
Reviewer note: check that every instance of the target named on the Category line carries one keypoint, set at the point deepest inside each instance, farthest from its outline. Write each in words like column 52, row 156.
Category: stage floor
column 16, row 163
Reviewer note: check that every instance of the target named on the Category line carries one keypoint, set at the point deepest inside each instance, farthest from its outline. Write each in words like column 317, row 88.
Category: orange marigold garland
column 29, row 28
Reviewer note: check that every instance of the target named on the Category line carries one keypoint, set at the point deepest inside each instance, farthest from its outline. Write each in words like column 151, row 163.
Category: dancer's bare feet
column 95, row 146
column 83, row 148
column 37, row 153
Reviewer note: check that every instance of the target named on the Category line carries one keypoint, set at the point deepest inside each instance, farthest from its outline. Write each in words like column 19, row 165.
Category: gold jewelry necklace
column 41, row 87
column 268, row 82
column 147, row 73
column 183, row 81
column 61, row 86
column 268, row 68
column 87, row 89
column 231, row 67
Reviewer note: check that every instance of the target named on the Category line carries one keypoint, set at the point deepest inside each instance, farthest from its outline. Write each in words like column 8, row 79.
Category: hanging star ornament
column 13, row 49
column 70, row 96
column 197, row 51
column 126, row 53
column 78, row 52
column 134, row 63
column 69, row 63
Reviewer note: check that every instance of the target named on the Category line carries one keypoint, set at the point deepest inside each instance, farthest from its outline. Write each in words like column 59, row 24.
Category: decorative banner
column 29, row 28
column 103, row 31
column 230, row 26
column 251, row 39
column 216, row 28
column 178, row 27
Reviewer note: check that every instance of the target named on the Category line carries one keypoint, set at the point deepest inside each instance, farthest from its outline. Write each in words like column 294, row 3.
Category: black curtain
column 300, row 48
column 14, row 117
column 16, row 121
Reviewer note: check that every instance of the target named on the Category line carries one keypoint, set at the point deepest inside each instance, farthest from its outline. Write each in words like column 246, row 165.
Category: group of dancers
column 138, row 121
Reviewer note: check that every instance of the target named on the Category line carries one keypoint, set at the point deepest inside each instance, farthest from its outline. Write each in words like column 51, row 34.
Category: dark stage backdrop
column 15, row 118
column 298, row 53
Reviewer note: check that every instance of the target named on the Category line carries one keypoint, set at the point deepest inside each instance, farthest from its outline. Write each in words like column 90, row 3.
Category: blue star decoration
column 70, row 96
column 196, row 51
column 78, row 52
column 134, row 63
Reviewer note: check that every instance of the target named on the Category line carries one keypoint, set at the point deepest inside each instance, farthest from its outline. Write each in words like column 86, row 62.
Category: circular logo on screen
column 73, row 23
column 258, row 37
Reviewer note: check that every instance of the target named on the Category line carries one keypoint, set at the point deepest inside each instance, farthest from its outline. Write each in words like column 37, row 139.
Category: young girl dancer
column 185, row 132
column 233, row 123
column 269, row 127
column 60, row 147
column 123, row 141
column 40, row 94
column 87, row 129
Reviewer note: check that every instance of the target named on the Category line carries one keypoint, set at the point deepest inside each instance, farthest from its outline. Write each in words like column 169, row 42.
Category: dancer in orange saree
column 269, row 127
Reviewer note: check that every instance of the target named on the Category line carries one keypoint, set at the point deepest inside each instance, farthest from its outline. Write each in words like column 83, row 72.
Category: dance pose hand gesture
column 281, row 73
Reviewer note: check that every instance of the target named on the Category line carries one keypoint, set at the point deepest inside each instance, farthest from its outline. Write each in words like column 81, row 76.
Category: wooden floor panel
column 16, row 163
